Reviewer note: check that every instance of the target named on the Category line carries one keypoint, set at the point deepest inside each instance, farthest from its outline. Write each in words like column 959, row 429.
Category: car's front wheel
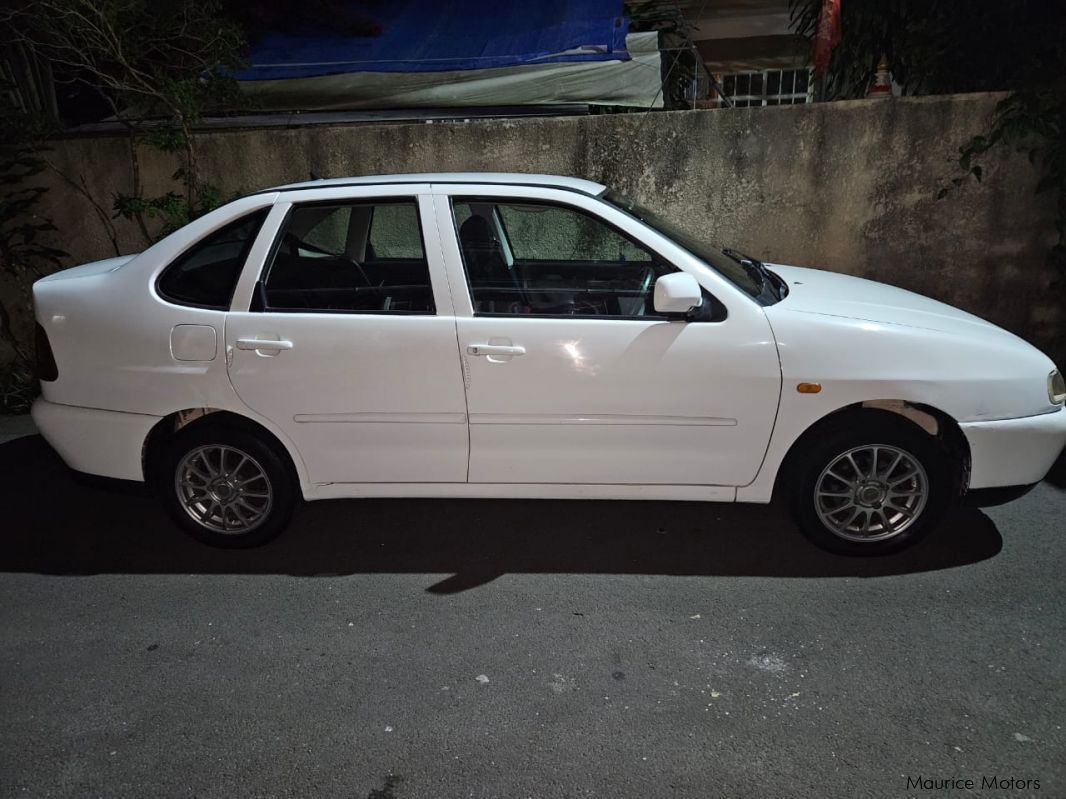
column 225, row 485
column 873, row 487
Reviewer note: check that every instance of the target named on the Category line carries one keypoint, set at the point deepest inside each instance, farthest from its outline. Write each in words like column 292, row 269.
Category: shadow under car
column 56, row 523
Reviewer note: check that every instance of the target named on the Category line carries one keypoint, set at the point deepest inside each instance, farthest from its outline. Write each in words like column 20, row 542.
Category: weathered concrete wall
column 845, row 186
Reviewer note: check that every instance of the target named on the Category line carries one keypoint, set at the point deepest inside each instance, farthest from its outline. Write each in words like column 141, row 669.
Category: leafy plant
column 1033, row 122
column 159, row 65
column 940, row 46
column 23, row 255
column 943, row 46
column 18, row 388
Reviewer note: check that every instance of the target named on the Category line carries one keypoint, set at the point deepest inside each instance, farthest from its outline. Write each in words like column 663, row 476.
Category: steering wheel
column 296, row 244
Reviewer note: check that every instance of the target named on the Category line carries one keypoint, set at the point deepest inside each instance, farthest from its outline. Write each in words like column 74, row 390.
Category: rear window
column 206, row 274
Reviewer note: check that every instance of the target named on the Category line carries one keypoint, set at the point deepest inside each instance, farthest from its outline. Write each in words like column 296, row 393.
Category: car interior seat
column 484, row 259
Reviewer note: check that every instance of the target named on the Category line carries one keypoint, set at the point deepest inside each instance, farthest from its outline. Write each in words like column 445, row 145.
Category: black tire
column 862, row 430
column 263, row 457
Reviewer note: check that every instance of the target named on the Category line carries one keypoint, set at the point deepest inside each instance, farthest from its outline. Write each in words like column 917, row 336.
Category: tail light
column 47, row 371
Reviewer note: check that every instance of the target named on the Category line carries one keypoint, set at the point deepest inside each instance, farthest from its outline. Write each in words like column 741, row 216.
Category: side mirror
column 677, row 294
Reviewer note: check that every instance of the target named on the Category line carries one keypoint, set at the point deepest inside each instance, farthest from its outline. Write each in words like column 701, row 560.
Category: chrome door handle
column 495, row 349
column 263, row 344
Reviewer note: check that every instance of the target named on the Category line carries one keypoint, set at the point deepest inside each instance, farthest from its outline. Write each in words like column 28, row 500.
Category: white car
column 508, row 335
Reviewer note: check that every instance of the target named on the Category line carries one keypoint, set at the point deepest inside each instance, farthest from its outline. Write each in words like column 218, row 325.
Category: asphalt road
column 391, row 649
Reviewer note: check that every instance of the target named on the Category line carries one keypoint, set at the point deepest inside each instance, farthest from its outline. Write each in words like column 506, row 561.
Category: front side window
column 352, row 257
column 731, row 267
column 205, row 275
column 540, row 259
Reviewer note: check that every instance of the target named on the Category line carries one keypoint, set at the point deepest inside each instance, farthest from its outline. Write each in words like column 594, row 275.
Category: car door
column 571, row 375
column 347, row 338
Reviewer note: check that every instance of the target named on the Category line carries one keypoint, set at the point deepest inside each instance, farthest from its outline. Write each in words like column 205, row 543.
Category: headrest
column 477, row 230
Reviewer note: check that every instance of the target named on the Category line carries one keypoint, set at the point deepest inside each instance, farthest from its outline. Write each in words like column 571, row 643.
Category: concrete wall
column 846, row 186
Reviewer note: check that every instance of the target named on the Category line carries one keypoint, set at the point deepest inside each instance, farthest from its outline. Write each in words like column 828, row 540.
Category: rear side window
column 351, row 257
column 394, row 232
column 206, row 274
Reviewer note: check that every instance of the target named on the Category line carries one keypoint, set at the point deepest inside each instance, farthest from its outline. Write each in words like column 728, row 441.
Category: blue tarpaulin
column 436, row 36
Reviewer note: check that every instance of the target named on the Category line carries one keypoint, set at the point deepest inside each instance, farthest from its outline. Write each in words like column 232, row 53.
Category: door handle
column 263, row 344
column 495, row 349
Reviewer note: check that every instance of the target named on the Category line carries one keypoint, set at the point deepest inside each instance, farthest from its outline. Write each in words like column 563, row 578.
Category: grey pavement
column 390, row 649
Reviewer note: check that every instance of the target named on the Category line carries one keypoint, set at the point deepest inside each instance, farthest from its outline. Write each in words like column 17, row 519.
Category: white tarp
column 636, row 82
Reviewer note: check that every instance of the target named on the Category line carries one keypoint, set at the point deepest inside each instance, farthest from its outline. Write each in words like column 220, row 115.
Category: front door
column 349, row 346
column 573, row 378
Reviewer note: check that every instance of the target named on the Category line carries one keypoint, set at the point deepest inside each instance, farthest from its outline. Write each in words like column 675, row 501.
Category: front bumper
column 106, row 443
column 1014, row 452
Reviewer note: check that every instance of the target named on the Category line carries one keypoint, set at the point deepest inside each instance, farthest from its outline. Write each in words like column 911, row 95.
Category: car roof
column 499, row 178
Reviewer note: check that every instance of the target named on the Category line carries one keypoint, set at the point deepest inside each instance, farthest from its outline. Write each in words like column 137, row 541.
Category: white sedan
column 507, row 335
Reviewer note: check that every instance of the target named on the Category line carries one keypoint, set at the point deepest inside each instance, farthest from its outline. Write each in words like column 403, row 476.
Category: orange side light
column 809, row 388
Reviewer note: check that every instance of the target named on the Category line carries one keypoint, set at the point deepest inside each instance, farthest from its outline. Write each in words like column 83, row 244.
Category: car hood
column 867, row 341
column 86, row 270
column 833, row 294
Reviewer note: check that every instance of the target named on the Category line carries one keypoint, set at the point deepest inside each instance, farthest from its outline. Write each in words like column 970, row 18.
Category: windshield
column 744, row 277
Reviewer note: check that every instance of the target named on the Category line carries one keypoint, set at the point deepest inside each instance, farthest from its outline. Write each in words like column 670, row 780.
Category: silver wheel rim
column 223, row 489
column 871, row 493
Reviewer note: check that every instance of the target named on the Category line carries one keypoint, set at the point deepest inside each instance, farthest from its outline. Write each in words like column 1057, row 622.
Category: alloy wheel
column 871, row 493
column 223, row 489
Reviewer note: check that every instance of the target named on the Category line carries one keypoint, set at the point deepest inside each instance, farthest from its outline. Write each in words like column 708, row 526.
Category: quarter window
column 206, row 274
column 358, row 257
column 540, row 259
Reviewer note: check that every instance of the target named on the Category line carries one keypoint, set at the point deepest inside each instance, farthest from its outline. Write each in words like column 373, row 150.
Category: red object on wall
column 827, row 36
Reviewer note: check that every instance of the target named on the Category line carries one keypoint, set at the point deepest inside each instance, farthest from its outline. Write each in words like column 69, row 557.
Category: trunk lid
column 87, row 270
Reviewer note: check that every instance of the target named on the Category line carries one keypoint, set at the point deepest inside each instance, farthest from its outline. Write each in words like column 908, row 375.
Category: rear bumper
column 1014, row 452
column 105, row 443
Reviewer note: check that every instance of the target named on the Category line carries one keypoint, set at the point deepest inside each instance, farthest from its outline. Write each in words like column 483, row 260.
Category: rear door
column 347, row 341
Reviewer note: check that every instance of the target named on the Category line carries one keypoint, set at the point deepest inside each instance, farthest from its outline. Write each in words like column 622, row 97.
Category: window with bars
column 766, row 87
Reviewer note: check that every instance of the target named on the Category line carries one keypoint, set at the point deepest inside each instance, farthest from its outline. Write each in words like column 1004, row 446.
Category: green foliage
column 944, row 46
column 209, row 197
column 164, row 60
column 1032, row 122
column 18, row 388
column 941, row 46
column 23, row 255
column 21, row 250
column 160, row 64
column 147, row 57
column 171, row 210
column 166, row 139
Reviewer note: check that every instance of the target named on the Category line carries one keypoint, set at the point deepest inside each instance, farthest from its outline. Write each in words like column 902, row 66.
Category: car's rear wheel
column 225, row 485
column 872, row 486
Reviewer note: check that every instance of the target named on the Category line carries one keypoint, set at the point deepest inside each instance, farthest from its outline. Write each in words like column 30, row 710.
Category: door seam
column 463, row 367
